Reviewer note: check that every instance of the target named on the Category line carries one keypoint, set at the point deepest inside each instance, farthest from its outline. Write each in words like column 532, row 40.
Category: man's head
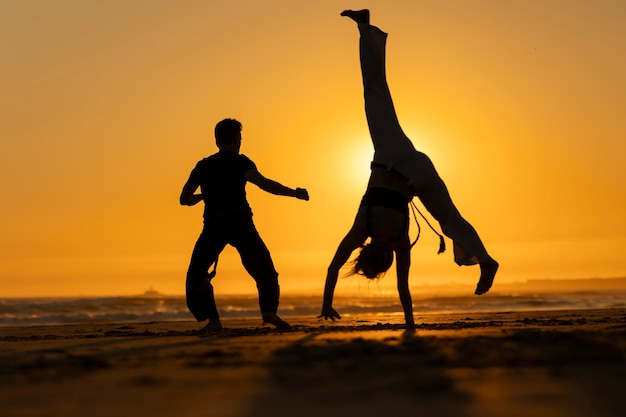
column 228, row 134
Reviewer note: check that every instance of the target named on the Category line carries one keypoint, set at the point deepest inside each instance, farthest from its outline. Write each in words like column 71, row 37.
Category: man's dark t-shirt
column 222, row 181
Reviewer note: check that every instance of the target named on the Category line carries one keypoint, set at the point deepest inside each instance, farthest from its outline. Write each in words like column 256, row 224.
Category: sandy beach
column 551, row 363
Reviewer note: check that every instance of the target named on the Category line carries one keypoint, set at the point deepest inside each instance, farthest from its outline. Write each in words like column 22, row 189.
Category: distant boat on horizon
column 151, row 292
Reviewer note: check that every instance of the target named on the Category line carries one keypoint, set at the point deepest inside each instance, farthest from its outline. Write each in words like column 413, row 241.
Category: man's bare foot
column 272, row 318
column 214, row 325
column 359, row 16
column 488, row 271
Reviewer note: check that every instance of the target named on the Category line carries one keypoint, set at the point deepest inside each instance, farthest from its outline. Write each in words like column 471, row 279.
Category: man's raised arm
column 273, row 187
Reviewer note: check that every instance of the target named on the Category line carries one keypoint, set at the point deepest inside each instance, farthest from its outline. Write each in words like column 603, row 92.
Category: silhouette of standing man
column 222, row 178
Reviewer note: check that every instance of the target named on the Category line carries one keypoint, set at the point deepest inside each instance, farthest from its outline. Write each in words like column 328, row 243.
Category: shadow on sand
column 541, row 371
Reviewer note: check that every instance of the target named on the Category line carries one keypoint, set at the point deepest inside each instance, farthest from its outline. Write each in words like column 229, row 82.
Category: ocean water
column 155, row 307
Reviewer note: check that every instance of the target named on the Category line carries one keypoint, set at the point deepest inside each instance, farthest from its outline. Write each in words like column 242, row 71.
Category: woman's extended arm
column 355, row 237
column 403, row 263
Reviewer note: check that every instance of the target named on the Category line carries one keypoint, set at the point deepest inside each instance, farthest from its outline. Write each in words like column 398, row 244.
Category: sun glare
column 359, row 157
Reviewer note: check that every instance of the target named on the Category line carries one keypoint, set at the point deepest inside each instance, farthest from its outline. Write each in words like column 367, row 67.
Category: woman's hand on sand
column 329, row 313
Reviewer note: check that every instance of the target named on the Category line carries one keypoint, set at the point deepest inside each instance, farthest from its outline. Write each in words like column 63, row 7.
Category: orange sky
column 107, row 106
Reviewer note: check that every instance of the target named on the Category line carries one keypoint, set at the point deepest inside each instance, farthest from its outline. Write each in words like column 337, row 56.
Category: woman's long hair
column 373, row 260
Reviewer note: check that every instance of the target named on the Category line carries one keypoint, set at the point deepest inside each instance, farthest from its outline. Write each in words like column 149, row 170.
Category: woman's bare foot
column 272, row 318
column 359, row 16
column 488, row 271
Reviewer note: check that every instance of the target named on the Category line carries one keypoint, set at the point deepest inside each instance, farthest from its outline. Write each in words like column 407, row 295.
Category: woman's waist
column 385, row 197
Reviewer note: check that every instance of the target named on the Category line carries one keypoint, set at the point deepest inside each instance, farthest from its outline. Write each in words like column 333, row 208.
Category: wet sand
column 555, row 363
